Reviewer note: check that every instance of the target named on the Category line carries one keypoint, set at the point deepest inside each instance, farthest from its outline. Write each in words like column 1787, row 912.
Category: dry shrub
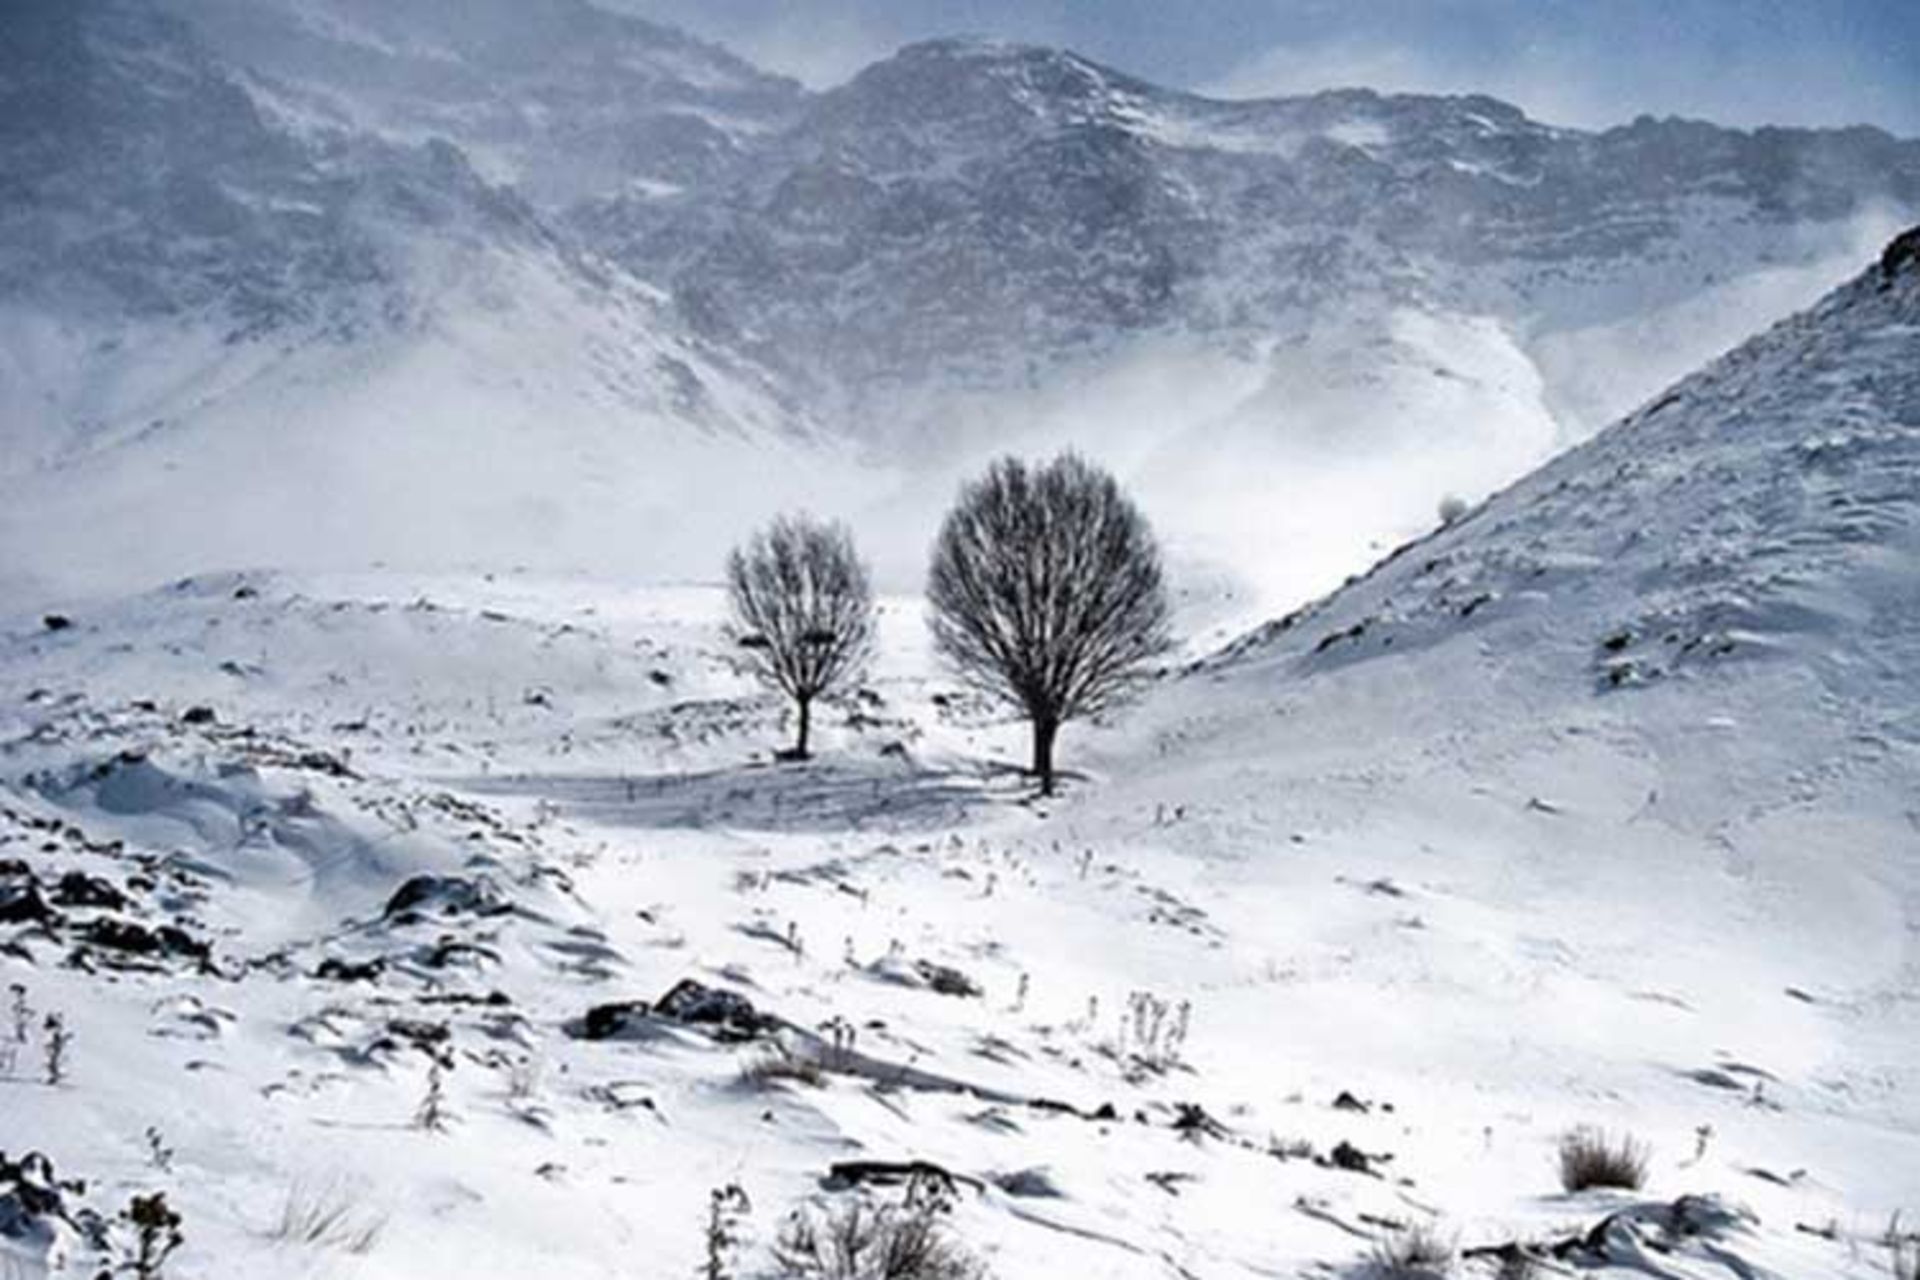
column 1518, row 1264
column 1417, row 1252
column 772, row 1065
column 1590, row 1158
column 1904, row 1264
column 864, row 1241
column 329, row 1217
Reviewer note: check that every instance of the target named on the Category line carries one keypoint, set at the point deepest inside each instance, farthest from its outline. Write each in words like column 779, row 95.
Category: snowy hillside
column 1594, row 809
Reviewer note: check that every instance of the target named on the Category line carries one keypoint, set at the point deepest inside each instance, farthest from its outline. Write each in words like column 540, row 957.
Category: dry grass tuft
column 1418, row 1252
column 1590, row 1158
column 772, row 1065
column 327, row 1218
column 864, row 1241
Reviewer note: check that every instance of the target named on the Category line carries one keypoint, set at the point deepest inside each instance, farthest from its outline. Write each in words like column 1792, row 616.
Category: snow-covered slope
column 1338, row 934
column 1760, row 513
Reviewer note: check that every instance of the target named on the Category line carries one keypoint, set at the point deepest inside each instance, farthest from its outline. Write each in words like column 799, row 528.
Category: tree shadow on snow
column 817, row 796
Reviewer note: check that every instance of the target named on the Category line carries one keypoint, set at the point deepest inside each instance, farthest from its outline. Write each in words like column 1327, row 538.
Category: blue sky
column 1584, row 62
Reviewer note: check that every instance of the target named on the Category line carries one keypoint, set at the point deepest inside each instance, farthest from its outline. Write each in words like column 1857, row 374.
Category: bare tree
column 803, row 610
column 1047, row 593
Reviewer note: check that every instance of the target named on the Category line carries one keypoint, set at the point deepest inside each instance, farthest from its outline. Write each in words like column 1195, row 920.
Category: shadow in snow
column 818, row 795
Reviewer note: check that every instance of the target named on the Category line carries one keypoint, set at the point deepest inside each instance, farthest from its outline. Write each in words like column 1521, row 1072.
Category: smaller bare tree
column 803, row 610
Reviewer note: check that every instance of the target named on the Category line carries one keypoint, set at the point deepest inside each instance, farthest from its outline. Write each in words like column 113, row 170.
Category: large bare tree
column 803, row 610
column 1047, row 593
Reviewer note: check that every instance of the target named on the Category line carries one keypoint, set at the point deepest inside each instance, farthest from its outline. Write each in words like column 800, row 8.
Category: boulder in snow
column 431, row 895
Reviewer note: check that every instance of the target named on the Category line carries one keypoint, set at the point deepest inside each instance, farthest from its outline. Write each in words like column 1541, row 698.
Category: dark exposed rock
column 323, row 762
column 727, row 1015
column 495, row 999
column 945, row 979
column 78, row 889
column 421, row 1035
column 32, row 1195
column 1351, row 1158
column 1028, row 1184
column 334, row 969
column 56, row 622
column 891, row 1173
column 163, row 942
column 431, row 895
column 197, row 715
column 607, row 1021
column 1105, row 1111
column 1191, row 1119
column 448, row 952
column 1902, row 253
column 1625, row 1235
column 22, row 903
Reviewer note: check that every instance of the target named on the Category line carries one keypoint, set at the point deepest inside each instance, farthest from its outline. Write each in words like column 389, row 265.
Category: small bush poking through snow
column 865, row 1241
column 1905, row 1248
column 726, row 1208
column 1412, row 1253
column 156, row 1234
column 1589, row 1158
column 159, row 1154
column 58, row 1041
column 772, row 1065
column 431, row 1115
column 1518, row 1265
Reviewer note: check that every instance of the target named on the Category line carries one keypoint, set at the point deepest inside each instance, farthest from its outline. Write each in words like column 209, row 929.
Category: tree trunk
column 1045, row 729
column 806, row 727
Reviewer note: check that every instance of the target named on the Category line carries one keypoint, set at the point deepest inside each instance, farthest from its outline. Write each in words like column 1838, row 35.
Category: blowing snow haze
column 772, row 642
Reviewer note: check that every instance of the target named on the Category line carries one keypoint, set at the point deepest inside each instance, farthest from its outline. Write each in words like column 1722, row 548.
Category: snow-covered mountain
column 231, row 335
column 991, row 206
column 568, row 262
column 1593, row 809
column 557, row 98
